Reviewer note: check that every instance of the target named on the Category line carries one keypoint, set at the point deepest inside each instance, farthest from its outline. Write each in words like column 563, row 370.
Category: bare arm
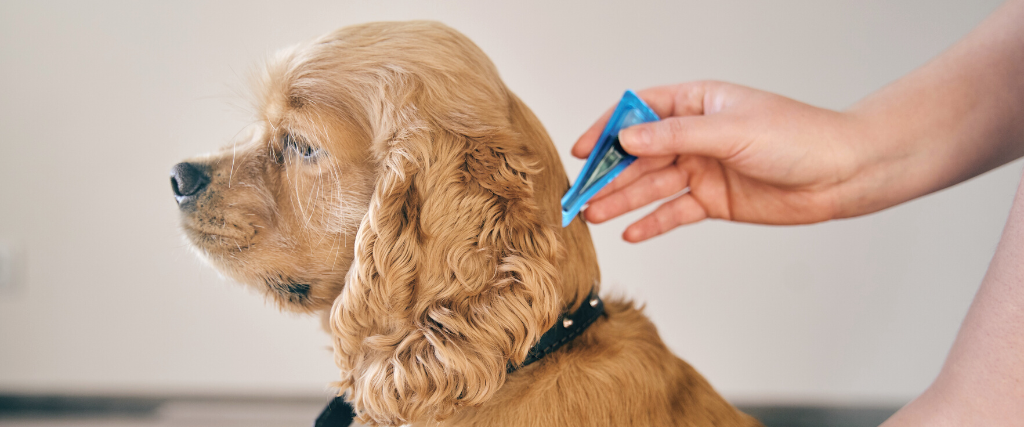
column 982, row 381
column 958, row 116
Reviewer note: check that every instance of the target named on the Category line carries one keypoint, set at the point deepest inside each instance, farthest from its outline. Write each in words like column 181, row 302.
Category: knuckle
column 664, row 184
column 675, row 130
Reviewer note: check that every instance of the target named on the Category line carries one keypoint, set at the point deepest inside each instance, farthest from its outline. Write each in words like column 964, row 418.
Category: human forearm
column 982, row 381
column 958, row 116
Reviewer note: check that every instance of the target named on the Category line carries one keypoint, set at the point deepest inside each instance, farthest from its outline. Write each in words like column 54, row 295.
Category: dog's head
column 395, row 180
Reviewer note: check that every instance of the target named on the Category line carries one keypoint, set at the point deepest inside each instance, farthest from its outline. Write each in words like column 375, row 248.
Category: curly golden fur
column 397, row 186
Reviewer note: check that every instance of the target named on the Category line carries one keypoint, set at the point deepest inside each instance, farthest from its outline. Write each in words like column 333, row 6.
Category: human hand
column 743, row 154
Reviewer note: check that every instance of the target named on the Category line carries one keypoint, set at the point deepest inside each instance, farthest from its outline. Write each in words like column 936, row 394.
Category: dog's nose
column 187, row 180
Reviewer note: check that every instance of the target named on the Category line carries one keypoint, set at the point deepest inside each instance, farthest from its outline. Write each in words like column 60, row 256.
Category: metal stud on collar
column 573, row 324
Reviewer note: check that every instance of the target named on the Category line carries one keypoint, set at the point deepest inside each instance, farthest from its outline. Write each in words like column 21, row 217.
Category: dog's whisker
column 336, row 253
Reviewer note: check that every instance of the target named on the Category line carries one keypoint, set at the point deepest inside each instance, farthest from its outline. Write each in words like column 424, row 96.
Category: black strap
column 567, row 327
column 339, row 413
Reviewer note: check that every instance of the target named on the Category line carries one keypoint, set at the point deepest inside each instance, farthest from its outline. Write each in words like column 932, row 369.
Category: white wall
column 97, row 102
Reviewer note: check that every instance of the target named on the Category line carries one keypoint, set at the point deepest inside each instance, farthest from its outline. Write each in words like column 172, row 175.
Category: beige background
column 99, row 100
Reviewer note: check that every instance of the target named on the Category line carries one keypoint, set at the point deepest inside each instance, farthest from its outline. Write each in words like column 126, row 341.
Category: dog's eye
column 298, row 147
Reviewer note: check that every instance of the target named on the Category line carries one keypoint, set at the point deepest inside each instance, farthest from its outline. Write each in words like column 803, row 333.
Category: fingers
column 709, row 136
column 682, row 210
column 684, row 99
column 667, row 101
column 648, row 188
column 632, row 173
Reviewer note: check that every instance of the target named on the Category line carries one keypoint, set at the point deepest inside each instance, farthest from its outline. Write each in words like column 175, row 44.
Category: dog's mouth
column 292, row 292
column 222, row 251
column 222, row 238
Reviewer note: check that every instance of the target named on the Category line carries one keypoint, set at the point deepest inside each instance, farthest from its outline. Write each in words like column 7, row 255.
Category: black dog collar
column 339, row 413
column 568, row 326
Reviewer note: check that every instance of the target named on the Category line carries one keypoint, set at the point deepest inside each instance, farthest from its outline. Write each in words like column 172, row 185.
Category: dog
column 395, row 186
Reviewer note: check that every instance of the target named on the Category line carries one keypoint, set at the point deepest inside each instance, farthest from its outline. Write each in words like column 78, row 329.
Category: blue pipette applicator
column 607, row 159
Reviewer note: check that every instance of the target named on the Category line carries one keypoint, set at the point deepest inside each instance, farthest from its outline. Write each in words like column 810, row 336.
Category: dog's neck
column 578, row 269
column 338, row 413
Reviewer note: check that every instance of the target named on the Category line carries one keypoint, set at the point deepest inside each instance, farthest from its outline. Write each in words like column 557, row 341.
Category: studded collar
column 568, row 326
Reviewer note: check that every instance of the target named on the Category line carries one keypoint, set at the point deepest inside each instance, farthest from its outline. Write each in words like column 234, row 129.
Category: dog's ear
column 454, row 274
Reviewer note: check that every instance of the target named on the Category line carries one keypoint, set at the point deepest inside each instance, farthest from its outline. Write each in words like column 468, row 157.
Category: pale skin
column 744, row 155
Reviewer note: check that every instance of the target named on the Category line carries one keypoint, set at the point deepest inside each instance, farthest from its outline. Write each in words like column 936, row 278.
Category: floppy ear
column 454, row 274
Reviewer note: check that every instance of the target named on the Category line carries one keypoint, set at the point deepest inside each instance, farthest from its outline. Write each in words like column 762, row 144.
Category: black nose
column 187, row 180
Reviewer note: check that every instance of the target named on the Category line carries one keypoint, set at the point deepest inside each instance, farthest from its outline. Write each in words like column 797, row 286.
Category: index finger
column 684, row 99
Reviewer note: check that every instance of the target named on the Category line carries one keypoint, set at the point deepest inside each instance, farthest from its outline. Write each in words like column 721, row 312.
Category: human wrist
column 890, row 163
column 868, row 162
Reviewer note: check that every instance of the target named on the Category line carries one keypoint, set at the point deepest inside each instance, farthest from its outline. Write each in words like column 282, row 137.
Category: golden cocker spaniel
column 395, row 185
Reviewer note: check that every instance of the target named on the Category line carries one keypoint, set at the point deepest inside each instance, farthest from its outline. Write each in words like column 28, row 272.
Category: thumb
column 700, row 135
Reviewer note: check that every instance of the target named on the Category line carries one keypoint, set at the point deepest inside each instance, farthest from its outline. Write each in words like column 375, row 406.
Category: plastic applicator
column 607, row 159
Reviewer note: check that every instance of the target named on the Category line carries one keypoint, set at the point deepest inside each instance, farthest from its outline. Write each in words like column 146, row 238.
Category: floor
column 68, row 411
